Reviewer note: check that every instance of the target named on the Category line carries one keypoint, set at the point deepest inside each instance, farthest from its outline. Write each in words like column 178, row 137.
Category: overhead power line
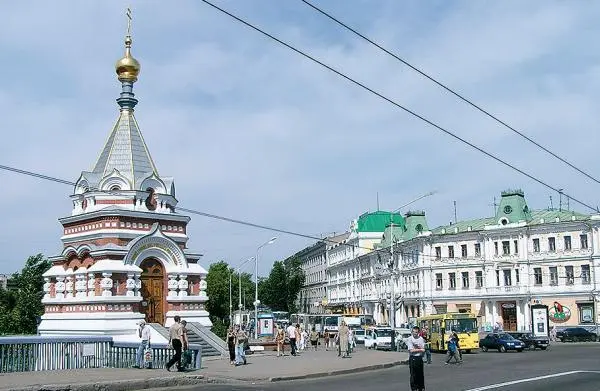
column 205, row 214
column 451, row 91
column 398, row 105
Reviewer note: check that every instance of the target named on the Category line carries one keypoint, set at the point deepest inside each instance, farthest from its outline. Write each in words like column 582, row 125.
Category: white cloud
column 253, row 131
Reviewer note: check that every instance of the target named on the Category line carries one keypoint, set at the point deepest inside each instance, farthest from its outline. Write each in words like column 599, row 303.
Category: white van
column 379, row 338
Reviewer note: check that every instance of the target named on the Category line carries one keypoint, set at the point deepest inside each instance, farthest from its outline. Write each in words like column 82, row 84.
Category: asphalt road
column 562, row 367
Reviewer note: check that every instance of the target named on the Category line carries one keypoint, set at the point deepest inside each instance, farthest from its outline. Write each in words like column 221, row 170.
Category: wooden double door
column 153, row 289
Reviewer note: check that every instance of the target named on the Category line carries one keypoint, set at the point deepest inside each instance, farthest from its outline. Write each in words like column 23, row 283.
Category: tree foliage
column 280, row 290
column 217, row 289
column 20, row 308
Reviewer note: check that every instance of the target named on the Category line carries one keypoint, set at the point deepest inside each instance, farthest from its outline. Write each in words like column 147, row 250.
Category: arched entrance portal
column 153, row 303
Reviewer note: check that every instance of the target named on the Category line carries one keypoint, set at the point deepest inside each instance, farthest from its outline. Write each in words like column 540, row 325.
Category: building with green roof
column 495, row 267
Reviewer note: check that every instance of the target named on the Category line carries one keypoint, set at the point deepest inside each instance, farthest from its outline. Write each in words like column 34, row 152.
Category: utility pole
column 393, row 290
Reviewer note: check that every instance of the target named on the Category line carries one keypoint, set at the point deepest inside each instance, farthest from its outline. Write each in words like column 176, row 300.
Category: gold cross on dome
column 129, row 17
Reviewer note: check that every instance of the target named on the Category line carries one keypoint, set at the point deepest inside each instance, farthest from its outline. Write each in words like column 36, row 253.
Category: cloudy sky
column 253, row 131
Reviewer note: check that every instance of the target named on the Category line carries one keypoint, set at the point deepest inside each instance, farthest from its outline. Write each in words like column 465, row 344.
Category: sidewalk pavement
column 263, row 367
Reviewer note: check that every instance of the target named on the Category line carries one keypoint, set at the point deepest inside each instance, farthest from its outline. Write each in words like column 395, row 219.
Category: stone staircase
column 212, row 345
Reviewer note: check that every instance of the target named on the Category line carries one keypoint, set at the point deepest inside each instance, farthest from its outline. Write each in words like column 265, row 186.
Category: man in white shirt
column 291, row 333
column 416, row 349
column 144, row 334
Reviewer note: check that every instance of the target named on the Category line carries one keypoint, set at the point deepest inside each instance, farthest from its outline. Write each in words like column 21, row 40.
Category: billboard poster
column 539, row 320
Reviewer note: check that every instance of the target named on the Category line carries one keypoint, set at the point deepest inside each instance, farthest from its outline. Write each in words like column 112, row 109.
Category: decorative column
column 69, row 287
column 183, row 285
column 138, row 284
column 47, row 287
column 106, row 284
column 173, row 285
column 130, row 284
column 91, row 285
column 202, row 287
column 60, row 287
column 81, row 283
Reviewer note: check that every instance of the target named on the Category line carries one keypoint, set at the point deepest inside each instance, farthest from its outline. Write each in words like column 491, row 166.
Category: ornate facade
column 125, row 255
column 496, row 267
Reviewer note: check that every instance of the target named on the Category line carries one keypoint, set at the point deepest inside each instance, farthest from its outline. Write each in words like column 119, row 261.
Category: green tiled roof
column 536, row 216
column 377, row 221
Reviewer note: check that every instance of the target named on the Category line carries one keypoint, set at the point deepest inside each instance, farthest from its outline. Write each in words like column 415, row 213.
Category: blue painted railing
column 43, row 353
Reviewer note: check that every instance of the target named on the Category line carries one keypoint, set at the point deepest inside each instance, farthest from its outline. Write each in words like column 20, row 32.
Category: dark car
column 531, row 341
column 575, row 334
column 502, row 342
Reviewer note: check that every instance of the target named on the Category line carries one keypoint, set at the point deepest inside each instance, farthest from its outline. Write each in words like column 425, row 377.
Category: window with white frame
column 551, row 244
column 537, row 276
column 570, row 275
column 585, row 274
column 507, row 273
column 536, row 245
column 452, row 278
column 479, row 279
column 567, row 240
column 505, row 247
column 465, row 280
column 583, row 241
column 553, row 275
column 439, row 281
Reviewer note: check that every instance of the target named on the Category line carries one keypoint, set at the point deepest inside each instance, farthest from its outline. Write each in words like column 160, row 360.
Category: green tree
column 295, row 281
column 20, row 308
column 280, row 290
column 217, row 280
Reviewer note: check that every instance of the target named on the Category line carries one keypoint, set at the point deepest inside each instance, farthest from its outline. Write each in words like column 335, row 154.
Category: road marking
column 510, row 383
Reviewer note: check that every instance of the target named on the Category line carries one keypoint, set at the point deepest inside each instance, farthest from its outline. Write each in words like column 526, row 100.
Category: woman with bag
column 231, row 345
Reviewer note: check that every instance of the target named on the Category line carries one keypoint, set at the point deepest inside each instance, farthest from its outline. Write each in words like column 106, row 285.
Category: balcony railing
column 44, row 353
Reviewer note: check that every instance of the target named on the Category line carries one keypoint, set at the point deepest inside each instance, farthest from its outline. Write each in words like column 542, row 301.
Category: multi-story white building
column 313, row 264
column 352, row 286
column 496, row 267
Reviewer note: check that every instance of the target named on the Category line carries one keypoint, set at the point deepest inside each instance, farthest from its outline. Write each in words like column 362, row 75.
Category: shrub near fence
column 41, row 353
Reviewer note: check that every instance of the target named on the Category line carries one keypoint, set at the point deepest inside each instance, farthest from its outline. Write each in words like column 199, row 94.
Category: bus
column 281, row 318
column 320, row 322
column 441, row 325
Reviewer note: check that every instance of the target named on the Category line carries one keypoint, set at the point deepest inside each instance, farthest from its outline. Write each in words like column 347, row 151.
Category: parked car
column 575, row 334
column 531, row 341
column 379, row 338
column 501, row 341
column 359, row 336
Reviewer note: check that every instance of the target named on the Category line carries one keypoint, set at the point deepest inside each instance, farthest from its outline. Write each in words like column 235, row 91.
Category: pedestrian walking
column 175, row 341
column 280, row 340
column 231, row 345
column 426, row 337
column 291, row 333
column 416, row 349
column 343, row 340
column 457, row 340
column 144, row 334
column 240, row 342
column 452, row 350
column 314, row 339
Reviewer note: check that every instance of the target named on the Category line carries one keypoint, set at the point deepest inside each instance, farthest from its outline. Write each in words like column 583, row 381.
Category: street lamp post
column 256, row 302
column 391, row 268
column 239, row 291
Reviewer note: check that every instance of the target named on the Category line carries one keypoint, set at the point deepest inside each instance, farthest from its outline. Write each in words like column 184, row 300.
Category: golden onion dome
column 127, row 68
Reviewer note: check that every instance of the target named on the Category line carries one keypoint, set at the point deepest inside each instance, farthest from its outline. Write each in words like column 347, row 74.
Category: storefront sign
column 508, row 305
column 559, row 313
